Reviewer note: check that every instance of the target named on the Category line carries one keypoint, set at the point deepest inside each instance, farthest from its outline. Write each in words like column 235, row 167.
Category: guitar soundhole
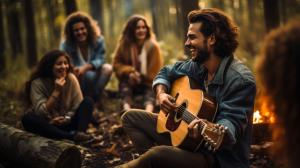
column 179, row 112
column 174, row 120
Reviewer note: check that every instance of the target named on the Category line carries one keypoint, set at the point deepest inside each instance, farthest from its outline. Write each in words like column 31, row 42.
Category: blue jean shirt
column 97, row 53
column 233, row 87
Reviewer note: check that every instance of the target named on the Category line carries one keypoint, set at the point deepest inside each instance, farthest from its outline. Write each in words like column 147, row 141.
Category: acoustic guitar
column 192, row 103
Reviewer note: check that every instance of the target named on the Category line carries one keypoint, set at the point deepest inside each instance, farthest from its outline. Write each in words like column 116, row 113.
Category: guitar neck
column 187, row 116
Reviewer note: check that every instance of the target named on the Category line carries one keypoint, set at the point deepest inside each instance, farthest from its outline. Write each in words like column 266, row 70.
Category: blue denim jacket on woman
column 93, row 81
column 97, row 55
column 233, row 87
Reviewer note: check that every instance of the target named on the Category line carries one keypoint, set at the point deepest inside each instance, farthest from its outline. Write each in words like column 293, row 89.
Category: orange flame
column 264, row 114
column 257, row 117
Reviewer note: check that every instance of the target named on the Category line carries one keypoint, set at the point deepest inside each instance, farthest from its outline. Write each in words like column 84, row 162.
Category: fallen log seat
column 29, row 150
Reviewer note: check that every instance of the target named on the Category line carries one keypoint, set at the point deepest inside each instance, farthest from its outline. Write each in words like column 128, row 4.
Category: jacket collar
column 222, row 69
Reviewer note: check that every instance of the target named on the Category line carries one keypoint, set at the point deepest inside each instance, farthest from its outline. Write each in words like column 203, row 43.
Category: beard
column 202, row 54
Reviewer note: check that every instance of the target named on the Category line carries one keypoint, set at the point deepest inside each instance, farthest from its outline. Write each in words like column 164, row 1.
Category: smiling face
column 140, row 30
column 197, row 43
column 80, row 32
column 61, row 67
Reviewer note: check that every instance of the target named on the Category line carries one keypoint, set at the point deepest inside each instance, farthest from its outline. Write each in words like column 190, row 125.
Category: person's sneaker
column 81, row 137
column 149, row 107
column 126, row 107
column 95, row 122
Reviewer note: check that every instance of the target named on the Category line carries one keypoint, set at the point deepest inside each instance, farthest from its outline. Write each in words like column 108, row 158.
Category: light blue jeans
column 93, row 82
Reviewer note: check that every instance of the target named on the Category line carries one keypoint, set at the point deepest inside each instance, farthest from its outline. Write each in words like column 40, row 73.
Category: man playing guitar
column 225, row 135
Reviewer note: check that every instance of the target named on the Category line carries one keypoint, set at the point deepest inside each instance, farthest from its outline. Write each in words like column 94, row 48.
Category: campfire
column 263, row 118
column 263, row 114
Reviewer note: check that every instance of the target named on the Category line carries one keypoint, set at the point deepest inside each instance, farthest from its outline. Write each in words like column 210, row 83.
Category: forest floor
column 112, row 146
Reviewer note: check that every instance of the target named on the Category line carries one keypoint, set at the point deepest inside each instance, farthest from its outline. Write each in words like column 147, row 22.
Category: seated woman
column 136, row 62
column 57, row 108
column 83, row 41
column 277, row 69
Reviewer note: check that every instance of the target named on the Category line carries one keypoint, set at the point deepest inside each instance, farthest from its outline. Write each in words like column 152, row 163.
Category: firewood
column 29, row 150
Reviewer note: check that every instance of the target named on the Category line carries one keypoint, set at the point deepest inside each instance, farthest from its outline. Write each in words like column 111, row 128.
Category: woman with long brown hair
column 57, row 108
column 278, row 69
column 136, row 62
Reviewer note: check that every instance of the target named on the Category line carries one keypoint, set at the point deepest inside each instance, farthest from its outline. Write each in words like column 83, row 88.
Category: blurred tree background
column 29, row 28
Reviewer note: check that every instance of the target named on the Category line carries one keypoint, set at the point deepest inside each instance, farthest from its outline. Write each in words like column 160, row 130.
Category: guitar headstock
column 213, row 135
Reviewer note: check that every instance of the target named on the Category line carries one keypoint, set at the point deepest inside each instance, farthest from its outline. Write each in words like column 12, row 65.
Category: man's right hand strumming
column 166, row 101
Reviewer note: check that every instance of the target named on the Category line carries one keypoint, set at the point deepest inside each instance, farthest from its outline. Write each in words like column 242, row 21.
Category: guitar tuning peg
column 223, row 130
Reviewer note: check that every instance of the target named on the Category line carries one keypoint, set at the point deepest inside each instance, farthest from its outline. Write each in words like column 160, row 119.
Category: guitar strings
column 187, row 116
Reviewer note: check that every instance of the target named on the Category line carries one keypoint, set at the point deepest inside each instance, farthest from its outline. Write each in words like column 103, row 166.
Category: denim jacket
column 97, row 53
column 233, row 87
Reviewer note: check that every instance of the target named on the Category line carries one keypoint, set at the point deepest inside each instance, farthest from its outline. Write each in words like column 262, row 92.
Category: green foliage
column 15, row 75
column 11, row 89
column 171, row 48
column 11, row 107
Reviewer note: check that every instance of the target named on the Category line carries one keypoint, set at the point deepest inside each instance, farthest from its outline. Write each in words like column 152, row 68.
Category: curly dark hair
column 278, row 68
column 44, row 69
column 216, row 22
column 91, row 25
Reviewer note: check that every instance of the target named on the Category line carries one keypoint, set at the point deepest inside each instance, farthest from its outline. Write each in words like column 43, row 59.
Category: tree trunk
column 250, row 5
column 32, row 151
column 31, row 34
column 186, row 7
column 96, row 8
column 271, row 11
column 53, row 12
column 154, row 12
column 2, row 41
column 283, row 6
column 111, row 22
column 218, row 4
column 70, row 6
column 128, row 7
column 14, row 33
column 179, row 32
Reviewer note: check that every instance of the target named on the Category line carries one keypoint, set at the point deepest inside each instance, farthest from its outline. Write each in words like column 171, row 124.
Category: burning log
column 263, row 149
column 262, row 123
column 261, row 132
column 30, row 150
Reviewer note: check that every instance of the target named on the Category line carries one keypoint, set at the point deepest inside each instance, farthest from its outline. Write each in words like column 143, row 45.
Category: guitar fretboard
column 187, row 116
